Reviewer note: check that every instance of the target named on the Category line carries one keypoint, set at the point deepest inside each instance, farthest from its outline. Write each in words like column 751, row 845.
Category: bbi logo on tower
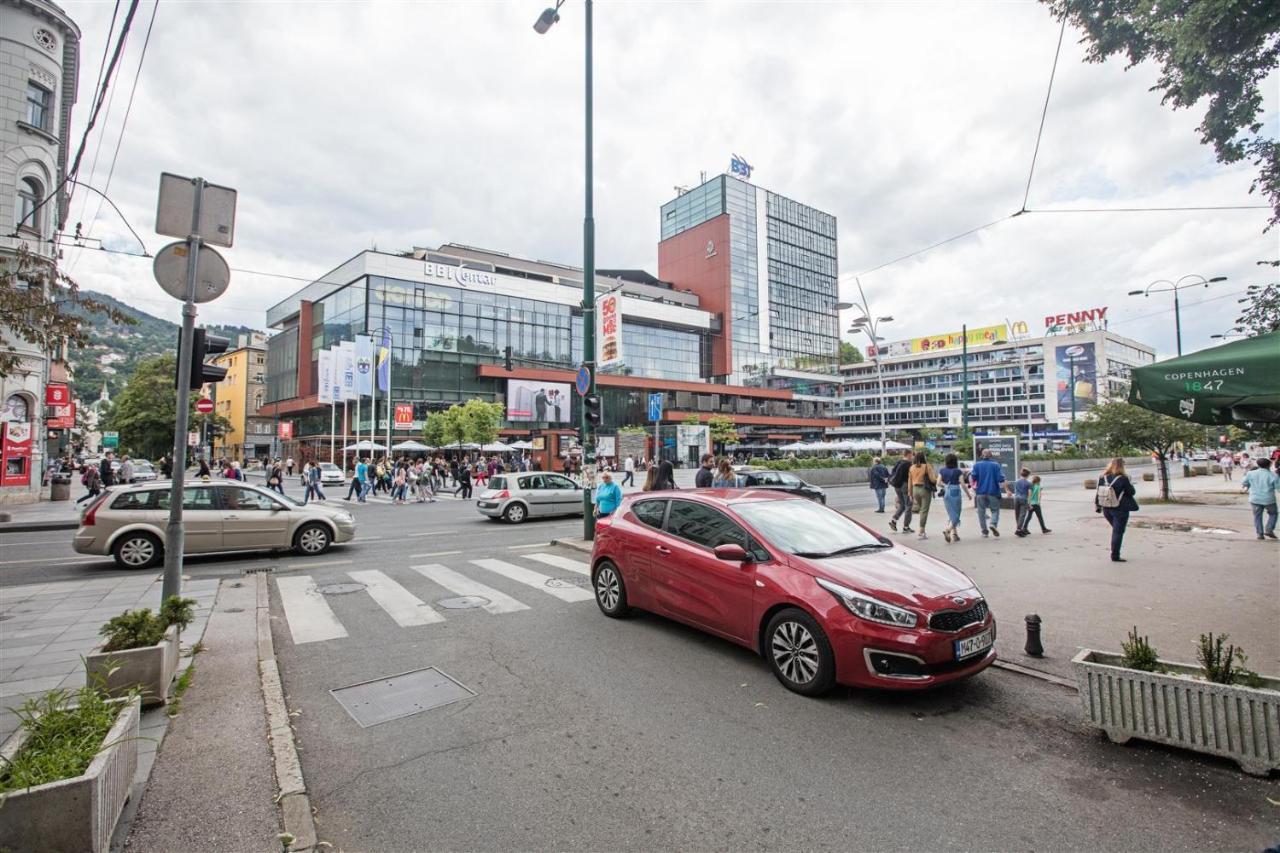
column 739, row 167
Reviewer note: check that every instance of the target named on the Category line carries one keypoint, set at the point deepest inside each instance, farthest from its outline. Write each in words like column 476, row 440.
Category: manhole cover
column 384, row 699
column 565, row 583
column 339, row 588
column 233, row 610
column 463, row 602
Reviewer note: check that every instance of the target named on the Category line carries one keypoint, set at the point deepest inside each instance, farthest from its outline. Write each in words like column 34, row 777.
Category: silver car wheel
column 138, row 551
column 313, row 540
column 514, row 513
column 795, row 652
column 607, row 588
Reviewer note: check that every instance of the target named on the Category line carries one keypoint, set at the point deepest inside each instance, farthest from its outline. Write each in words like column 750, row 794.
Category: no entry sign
column 204, row 405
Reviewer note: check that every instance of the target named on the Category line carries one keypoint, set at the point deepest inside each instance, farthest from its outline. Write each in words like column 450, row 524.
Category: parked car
column 128, row 522
column 823, row 598
column 143, row 472
column 782, row 481
column 330, row 475
column 534, row 494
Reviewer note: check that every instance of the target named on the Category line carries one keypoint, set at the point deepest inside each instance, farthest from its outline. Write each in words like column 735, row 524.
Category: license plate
column 970, row 646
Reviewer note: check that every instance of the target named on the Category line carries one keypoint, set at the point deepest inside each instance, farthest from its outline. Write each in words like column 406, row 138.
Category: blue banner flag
column 384, row 361
column 364, row 365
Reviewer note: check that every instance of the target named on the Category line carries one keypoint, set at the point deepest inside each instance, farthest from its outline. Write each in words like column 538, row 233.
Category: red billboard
column 64, row 416
column 286, row 429
column 56, row 394
column 404, row 416
column 15, row 454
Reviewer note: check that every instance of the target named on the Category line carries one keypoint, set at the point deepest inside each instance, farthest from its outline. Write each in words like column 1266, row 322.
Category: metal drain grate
column 339, row 588
column 257, row 570
column 384, row 699
column 463, row 602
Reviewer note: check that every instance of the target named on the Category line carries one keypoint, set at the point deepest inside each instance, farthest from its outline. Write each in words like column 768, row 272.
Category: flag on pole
column 364, row 365
column 346, row 371
column 384, row 361
column 324, row 370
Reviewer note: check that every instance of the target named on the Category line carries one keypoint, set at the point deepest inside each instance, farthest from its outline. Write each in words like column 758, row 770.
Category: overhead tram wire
column 106, row 46
column 1149, row 209
column 97, row 149
column 1043, row 115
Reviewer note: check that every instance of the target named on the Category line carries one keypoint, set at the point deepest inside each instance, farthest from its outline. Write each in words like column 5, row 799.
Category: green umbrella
column 1239, row 381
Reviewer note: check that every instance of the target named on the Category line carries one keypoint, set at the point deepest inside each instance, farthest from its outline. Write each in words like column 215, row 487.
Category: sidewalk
column 43, row 515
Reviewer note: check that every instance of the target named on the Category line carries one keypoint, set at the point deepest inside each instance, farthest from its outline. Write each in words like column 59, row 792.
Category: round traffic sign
column 212, row 273
column 204, row 405
column 583, row 380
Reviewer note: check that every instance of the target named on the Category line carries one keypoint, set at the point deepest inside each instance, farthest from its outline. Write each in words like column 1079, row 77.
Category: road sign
column 583, row 380
column 111, row 439
column 176, row 207
column 204, row 405
column 193, row 438
column 655, row 407
column 212, row 273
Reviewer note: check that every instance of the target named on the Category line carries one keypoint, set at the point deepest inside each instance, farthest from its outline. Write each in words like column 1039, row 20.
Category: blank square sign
column 177, row 201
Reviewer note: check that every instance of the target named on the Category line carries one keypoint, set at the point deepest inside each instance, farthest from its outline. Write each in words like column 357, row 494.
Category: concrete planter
column 150, row 669
column 79, row 814
column 1230, row 720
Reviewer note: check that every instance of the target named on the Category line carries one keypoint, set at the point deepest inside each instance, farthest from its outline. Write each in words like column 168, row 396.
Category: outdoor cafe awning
column 1235, row 382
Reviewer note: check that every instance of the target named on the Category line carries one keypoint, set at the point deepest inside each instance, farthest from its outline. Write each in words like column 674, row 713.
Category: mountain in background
column 115, row 349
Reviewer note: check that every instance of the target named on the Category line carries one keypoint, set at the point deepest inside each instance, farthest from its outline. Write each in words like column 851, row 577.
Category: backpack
column 1106, row 495
column 899, row 476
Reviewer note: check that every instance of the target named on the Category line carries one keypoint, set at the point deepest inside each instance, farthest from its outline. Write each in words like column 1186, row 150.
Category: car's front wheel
column 799, row 652
column 515, row 513
column 312, row 539
column 611, row 591
column 137, row 551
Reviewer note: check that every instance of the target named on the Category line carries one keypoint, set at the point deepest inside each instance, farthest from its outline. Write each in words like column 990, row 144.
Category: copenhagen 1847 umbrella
column 1239, row 381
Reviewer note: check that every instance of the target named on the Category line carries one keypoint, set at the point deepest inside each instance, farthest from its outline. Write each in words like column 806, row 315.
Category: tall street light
column 1233, row 332
column 544, row 23
column 1196, row 281
column 870, row 324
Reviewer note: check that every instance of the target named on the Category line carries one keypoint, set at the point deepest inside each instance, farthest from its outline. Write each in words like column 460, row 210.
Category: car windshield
column 498, row 483
column 328, row 466
column 806, row 529
column 280, row 496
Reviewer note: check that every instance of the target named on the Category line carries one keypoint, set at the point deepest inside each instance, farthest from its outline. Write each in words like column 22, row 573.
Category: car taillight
column 88, row 519
column 502, row 495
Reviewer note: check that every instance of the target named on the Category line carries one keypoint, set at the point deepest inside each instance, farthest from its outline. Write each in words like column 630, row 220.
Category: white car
column 331, row 475
column 144, row 472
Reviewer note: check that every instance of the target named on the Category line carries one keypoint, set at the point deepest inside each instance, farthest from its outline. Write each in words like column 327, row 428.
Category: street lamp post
column 1175, row 286
column 870, row 324
column 544, row 23
column 964, row 377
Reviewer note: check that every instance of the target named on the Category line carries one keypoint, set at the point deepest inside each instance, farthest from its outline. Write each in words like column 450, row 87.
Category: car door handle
column 230, row 517
column 663, row 550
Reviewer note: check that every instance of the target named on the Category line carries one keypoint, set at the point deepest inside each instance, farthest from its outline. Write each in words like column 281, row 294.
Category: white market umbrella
column 896, row 445
column 364, row 445
column 521, row 445
column 795, row 445
column 411, row 445
column 495, row 447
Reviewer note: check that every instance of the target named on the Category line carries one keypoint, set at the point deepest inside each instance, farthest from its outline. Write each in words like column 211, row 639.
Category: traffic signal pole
column 174, row 535
column 588, row 312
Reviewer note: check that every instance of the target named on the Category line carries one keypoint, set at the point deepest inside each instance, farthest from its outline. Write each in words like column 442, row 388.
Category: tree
column 723, row 431
column 1263, row 313
column 433, row 430
column 482, row 420
column 1117, row 426
column 474, row 421
column 1219, row 50
column 145, row 412
column 692, row 419
column 849, row 353
column 44, row 308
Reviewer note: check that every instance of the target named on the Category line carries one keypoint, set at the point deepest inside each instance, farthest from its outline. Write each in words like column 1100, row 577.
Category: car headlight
column 871, row 609
column 345, row 518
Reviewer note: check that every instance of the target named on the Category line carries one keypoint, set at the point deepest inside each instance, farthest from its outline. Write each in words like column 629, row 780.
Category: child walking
column 1033, row 508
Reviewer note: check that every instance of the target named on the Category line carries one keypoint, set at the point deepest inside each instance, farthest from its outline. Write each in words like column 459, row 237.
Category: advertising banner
column 606, row 446
column 15, row 455
column 64, row 416
column 543, row 402
column 608, row 330
column 404, row 416
column 364, row 365
column 345, row 371
column 56, row 394
column 1004, row 449
column 324, row 370
column 955, row 340
column 1084, row 388
column 286, row 429
column 692, row 440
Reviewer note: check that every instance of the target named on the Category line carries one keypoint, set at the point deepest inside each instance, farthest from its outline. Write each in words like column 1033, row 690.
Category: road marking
column 434, row 554
column 519, row 574
column 63, row 560
column 401, row 605
column 458, row 584
column 529, row 545
column 60, row 540
column 293, row 566
column 560, row 562
column 308, row 614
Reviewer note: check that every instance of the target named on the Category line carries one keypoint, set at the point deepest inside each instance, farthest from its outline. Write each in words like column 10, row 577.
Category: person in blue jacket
column 608, row 495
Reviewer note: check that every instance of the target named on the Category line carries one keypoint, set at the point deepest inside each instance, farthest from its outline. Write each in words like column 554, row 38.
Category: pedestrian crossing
column 410, row 603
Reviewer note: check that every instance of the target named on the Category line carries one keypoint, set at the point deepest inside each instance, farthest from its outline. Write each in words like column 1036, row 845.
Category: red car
column 825, row 599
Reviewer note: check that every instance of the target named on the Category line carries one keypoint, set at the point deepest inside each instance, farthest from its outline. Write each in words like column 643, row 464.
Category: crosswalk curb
column 295, row 804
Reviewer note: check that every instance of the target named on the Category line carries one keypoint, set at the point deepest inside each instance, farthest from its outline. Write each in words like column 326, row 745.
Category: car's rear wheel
column 312, row 539
column 799, row 652
column 611, row 591
column 515, row 513
column 137, row 551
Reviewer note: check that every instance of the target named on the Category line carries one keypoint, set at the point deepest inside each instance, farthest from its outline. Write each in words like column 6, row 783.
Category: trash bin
column 60, row 487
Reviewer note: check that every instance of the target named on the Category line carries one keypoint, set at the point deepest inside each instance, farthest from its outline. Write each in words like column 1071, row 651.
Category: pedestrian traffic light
column 506, row 358
column 591, row 405
column 204, row 345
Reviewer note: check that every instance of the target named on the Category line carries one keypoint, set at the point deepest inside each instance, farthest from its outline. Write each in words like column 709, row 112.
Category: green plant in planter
column 1223, row 664
column 137, row 629
column 1139, row 653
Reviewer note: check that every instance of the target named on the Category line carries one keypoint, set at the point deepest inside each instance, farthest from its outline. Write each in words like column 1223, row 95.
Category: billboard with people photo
column 539, row 402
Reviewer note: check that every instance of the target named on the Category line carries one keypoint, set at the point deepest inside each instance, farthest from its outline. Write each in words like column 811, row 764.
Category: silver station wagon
column 128, row 522
column 533, row 494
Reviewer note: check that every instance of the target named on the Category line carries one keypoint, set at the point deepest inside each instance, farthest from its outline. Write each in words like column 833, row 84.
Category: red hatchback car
column 825, row 599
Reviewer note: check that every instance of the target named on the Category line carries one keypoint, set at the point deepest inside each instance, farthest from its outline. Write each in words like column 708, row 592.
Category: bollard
column 1033, row 647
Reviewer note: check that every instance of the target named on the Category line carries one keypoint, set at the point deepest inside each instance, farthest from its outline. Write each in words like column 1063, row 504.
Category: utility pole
column 588, row 305
column 964, row 379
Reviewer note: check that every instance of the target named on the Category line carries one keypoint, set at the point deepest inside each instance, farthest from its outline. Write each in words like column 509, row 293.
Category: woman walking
column 92, row 481
column 724, row 477
column 650, row 480
column 954, row 487
column 1114, row 499
column 666, row 477
column 923, row 479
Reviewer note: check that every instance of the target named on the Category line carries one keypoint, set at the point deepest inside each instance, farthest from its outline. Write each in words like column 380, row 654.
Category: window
column 30, row 192
column 247, row 500
column 198, row 497
column 555, row 481
column 650, row 512
column 139, row 500
column 39, row 103
column 705, row 526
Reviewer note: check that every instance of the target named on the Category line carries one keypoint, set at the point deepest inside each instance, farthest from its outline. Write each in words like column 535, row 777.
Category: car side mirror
column 731, row 552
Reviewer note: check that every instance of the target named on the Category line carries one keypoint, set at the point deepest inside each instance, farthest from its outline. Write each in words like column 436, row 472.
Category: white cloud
column 343, row 125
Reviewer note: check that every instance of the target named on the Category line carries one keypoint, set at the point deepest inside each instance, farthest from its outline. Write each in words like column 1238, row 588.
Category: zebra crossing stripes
column 460, row 584
column 541, row 582
column 310, row 618
column 561, row 563
column 401, row 605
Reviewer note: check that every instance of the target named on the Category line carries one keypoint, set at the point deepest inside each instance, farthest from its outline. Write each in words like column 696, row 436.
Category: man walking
column 878, row 477
column 126, row 470
column 312, row 475
column 704, row 476
column 988, row 485
column 902, row 492
column 629, row 469
column 1262, row 484
column 105, row 473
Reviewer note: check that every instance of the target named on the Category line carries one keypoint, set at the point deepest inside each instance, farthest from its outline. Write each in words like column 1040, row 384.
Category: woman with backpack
column 923, row 480
column 1115, row 500
column 92, row 481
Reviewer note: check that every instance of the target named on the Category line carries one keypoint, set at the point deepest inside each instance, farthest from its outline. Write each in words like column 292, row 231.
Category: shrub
column 1224, row 665
column 1139, row 653
column 137, row 629
column 66, row 729
column 178, row 611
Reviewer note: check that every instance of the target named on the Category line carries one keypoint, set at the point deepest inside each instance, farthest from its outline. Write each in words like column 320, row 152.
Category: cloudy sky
column 345, row 125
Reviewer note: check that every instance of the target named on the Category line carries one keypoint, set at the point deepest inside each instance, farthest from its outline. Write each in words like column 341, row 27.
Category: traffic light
column 506, row 358
column 204, row 345
column 591, row 405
